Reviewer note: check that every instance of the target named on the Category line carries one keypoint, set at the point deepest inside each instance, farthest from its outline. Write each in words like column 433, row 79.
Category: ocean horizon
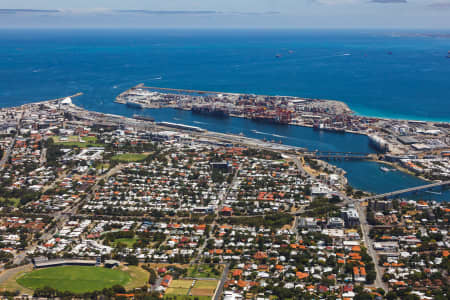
column 382, row 73
column 376, row 73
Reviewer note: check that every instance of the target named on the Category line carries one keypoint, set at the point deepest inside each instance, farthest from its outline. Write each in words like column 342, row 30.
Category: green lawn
column 179, row 297
column 15, row 201
column 204, row 271
column 74, row 141
column 184, row 284
column 76, row 279
column 126, row 241
column 129, row 157
column 176, row 291
column 139, row 276
column 205, row 284
column 105, row 166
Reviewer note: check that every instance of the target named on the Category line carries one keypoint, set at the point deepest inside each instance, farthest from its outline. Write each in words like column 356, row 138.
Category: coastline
column 255, row 141
column 401, row 169
column 372, row 114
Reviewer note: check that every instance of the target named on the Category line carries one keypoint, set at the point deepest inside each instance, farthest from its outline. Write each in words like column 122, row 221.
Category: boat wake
column 271, row 134
column 198, row 122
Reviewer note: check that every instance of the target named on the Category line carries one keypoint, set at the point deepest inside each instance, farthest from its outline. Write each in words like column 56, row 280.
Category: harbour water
column 383, row 76
column 364, row 175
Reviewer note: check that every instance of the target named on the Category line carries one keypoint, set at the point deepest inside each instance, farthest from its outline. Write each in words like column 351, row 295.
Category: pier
column 408, row 190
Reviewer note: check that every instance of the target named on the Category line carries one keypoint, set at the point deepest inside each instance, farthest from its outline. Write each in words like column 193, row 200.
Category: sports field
column 179, row 287
column 129, row 157
column 76, row 279
column 204, row 288
column 75, row 141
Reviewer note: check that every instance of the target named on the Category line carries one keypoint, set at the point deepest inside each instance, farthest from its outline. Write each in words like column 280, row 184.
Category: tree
column 363, row 296
column 391, row 295
column 132, row 260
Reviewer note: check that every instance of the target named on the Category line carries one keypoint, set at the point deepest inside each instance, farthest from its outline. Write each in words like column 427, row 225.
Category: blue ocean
column 387, row 74
column 377, row 73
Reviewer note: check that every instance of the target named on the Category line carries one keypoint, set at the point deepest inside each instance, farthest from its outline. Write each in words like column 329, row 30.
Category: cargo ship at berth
column 213, row 111
column 279, row 116
column 134, row 105
column 270, row 119
column 332, row 129
column 143, row 118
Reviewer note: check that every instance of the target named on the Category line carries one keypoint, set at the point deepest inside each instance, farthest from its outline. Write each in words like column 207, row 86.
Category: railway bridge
column 337, row 155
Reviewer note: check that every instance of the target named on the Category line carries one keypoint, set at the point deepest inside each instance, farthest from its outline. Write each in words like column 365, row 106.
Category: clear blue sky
column 429, row 14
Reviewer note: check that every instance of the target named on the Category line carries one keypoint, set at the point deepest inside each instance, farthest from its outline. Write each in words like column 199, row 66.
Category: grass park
column 76, row 279
column 129, row 242
column 12, row 202
column 204, row 271
column 183, row 297
column 129, row 157
column 202, row 289
column 76, row 141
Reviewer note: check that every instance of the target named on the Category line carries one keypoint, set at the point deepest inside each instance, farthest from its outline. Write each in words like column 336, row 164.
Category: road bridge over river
column 337, row 155
column 408, row 190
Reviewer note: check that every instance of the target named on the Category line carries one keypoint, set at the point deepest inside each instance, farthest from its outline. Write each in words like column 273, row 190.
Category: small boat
column 434, row 193
column 278, row 55
column 384, row 169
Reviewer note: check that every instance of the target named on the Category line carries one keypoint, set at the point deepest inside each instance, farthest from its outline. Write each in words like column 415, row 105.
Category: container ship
column 278, row 117
column 208, row 110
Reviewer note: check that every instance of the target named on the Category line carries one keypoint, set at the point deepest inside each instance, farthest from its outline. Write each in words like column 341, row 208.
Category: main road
column 371, row 251
column 11, row 146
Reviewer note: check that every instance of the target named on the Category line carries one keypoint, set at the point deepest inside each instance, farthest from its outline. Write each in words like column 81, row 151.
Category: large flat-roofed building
column 381, row 205
column 351, row 217
column 407, row 140
column 64, row 262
